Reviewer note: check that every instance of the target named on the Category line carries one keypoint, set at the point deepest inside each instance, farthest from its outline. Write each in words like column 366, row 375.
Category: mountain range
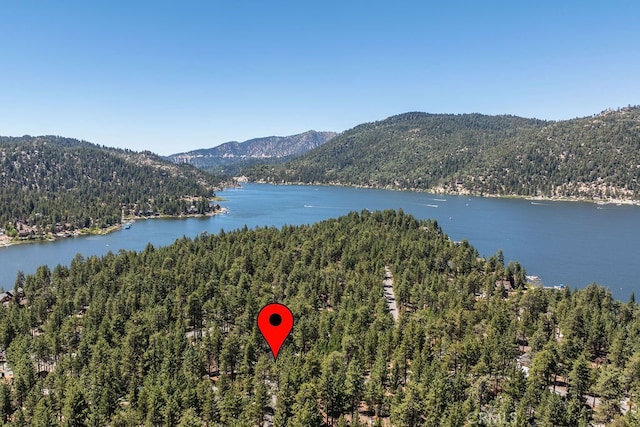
column 230, row 157
column 595, row 157
column 50, row 183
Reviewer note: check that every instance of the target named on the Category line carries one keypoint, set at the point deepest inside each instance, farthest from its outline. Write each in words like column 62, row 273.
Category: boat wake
column 320, row 207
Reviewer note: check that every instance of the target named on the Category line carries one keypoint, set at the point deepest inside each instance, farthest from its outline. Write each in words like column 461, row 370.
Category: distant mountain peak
column 231, row 155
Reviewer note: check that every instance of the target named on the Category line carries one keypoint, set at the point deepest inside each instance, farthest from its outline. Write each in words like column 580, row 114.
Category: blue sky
column 172, row 76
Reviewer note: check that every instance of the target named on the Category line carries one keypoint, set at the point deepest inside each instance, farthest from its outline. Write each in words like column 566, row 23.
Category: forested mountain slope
column 231, row 157
column 168, row 336
column 592, row 157
column 51, row 180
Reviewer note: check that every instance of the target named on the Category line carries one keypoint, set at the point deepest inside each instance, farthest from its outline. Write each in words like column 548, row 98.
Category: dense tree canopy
column 168, row 336
column 52, row 184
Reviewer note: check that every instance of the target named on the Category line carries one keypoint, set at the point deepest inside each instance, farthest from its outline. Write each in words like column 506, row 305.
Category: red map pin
column 275, row 322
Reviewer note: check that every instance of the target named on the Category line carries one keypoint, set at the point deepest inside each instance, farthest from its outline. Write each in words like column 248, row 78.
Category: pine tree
column 75, row 409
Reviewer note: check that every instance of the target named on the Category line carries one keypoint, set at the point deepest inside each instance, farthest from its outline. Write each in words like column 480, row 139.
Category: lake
column 570, row 243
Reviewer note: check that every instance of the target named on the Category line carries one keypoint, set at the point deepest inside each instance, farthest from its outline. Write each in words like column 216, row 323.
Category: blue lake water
column 561, row 242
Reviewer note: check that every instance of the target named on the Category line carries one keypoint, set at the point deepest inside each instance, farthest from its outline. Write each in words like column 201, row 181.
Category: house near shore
column 505, row 285
column 6, row 298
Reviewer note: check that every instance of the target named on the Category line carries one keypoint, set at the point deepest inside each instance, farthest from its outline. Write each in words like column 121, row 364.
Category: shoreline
column 441, row 191
column 6, row 241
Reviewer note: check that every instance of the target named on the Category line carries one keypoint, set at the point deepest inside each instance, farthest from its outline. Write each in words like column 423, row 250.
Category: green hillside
column 168, row 336
column 54, row 185
column 593, row 157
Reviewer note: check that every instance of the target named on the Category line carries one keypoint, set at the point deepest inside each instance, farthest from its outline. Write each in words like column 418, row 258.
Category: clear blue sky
column 172, row 76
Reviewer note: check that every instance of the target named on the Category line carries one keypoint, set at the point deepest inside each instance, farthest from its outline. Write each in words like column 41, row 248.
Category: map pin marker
column 275, row 322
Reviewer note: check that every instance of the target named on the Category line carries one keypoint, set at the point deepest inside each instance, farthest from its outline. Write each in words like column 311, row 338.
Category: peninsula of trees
column 51, row 186
column 168, row 336
column 596, row 158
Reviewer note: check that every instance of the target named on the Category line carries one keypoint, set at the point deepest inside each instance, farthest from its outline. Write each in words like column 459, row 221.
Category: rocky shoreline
column 443, row 191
